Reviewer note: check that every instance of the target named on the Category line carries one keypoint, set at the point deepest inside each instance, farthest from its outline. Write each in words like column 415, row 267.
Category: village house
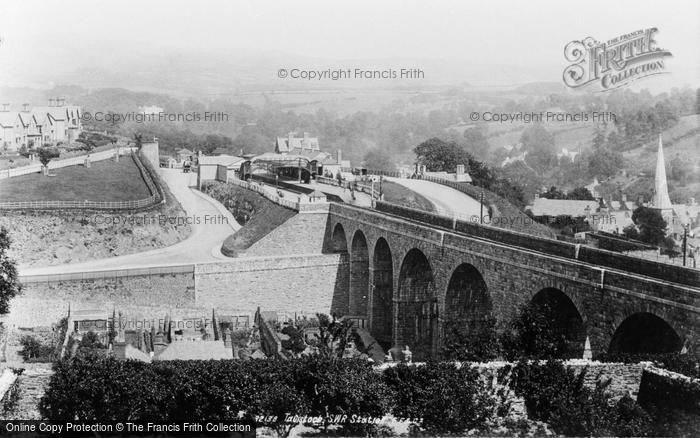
column 321, row 163
column 52, row 124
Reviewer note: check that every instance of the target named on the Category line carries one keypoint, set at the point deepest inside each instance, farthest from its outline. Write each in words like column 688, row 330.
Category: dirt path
column 211, row 225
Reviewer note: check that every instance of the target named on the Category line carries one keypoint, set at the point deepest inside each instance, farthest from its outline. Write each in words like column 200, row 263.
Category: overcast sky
column 480, row 32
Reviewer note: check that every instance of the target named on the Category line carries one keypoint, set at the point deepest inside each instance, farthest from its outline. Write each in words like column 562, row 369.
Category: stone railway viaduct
column 411, row 279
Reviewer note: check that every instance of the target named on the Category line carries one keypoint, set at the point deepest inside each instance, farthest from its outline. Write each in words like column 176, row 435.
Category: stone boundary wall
column 57, row 164
column 43, row 304
column 626, row 377
column 669, row 389
column 294, row 283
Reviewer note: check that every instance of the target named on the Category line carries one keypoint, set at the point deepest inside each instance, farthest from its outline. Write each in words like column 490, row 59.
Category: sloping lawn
column 398, row 194
column 103, row 181
column 258, row 215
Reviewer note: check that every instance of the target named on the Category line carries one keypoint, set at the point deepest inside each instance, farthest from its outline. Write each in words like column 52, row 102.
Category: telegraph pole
column 685, row 242
column 481, row 207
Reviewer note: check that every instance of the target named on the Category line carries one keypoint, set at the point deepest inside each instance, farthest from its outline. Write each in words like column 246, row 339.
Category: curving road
column 446, row 199
column 203, row 244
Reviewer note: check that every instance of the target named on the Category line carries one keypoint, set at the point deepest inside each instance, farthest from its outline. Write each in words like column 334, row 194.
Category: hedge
column 438, row 398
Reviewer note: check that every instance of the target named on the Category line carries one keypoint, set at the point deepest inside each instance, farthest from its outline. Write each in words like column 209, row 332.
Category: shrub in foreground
column 444, row 398
column 94, row 388
column 557, row 395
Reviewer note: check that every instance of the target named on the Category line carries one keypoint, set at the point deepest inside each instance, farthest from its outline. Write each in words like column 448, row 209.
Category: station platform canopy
column 272, row 160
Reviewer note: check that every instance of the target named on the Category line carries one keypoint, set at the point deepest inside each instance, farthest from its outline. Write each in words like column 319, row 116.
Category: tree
column 534, row 334
column 580, row 194
column 46, row 154
column 652, row 226
column 540, row 147
column 378, row 159
column 440, row 156
column 10, row 286
column 604, row 163
column 553, row 193
column 630, row 231
column 333, row 335
column 295, row 343
column 476, row 142
column 598, row 138
column 471, row 342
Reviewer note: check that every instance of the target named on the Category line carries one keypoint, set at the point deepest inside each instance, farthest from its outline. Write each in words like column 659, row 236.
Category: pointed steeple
column 661, row 200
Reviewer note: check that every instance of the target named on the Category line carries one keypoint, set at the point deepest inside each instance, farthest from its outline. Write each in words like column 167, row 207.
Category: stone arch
column 468, row 304
column 359, row 275
column 567, row 319
column 417, row 306
column 339, row 242
column 382, row 293
column 644, row 332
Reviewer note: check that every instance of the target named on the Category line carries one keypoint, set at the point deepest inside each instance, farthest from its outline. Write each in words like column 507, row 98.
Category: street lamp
column 685, row 241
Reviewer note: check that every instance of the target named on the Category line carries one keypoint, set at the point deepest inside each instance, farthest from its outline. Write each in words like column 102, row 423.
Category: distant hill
column 541, row 88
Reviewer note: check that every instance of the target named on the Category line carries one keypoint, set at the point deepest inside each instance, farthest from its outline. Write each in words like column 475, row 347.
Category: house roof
column 184, row 151
column 195, row 350
column 226, row 160
column 312, row 155
column 287, row 144
column 562, row 207
column 317, row 194
column 26, row 118
column 8, row 118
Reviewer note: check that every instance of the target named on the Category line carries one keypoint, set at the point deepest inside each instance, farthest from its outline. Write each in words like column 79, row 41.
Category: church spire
column 661, row 200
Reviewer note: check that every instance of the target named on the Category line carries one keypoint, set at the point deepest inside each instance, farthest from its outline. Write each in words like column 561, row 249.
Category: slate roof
column 195, row 350
column 225, row 160
column 8, row 118
column 285, row 144
column 562, row 207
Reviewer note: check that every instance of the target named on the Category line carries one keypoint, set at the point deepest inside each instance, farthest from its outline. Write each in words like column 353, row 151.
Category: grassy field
column 398, row 194
column 103, row 181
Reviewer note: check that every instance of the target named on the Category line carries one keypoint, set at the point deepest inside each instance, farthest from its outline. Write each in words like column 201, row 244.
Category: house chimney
column 306, row 139
column 340, row 156
column 51, row 101
column 290, row 137
column 25, row 107
column 460, row 169
column 5, row 107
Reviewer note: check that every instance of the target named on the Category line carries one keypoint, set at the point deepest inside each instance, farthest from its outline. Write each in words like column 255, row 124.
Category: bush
column 442, row 397
column 533, row 334
column 557, row 395
column 478, row 343
column 34, row 351
column 90, row 387
column 295, row 343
